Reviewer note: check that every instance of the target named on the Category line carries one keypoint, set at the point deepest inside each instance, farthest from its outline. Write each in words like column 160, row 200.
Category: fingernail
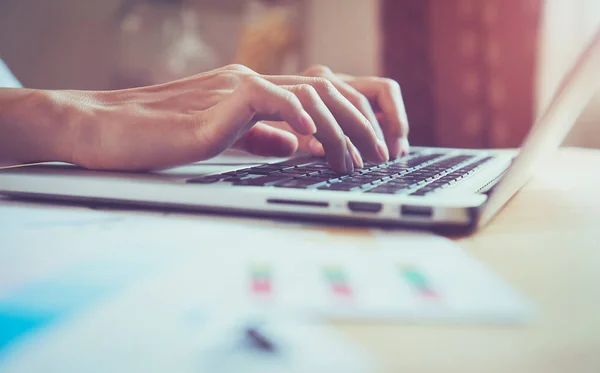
column 356, row 157
column 384, row 156
column 349, row 162
column 395, row 148
column 405, row 146
column 308, row 123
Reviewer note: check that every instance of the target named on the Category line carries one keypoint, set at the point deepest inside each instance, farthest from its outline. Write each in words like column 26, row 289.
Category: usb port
column 417, row 211
column 371, row 207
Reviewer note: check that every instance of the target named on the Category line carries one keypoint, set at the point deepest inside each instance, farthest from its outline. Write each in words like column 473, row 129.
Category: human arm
column 185, row 121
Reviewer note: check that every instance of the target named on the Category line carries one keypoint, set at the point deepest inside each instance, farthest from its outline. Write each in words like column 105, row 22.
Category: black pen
column 259, row 340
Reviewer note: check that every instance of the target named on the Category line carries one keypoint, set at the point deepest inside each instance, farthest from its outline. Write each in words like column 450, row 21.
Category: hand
column 378, row 99
column 199, row 117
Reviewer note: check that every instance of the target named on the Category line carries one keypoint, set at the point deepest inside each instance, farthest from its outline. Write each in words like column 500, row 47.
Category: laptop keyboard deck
column 416, row 174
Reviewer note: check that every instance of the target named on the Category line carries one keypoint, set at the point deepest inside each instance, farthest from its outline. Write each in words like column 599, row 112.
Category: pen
column 259, row 340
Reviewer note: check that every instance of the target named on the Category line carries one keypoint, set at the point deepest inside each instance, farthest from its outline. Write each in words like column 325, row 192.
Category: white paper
column 404, row 277
column 84, row 290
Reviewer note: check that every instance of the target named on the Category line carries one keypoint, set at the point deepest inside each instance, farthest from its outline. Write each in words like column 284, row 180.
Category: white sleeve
column 7, row 79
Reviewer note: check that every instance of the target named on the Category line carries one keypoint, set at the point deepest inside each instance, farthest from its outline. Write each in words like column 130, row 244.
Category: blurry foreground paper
column 91, row 291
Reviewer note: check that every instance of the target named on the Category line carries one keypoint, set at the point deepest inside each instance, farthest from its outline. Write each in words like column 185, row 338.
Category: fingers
column 256, row 99
column 309, row 105
column 350, row 93
column 329, row 133
column 355, row 154
column 314, row 147
column 308, row 144
column 346, row 116
column 267, row 141
column 386, row 93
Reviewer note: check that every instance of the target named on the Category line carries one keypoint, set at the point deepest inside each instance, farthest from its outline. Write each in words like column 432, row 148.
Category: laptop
column 460, row 189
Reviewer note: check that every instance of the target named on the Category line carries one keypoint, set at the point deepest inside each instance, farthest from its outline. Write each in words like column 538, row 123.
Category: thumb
column 267, row 141
column 256, row 99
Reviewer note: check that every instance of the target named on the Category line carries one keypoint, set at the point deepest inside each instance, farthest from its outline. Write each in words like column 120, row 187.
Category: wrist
column 64, row 124
column 38, row 126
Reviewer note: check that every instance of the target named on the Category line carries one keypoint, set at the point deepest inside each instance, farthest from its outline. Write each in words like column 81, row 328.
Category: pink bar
column 428, row 293
column 342, row 290
column 259, row 286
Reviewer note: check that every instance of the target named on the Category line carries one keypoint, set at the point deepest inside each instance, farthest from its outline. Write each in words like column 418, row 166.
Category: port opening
column 416, row 211
column 370, row 207
column 297, row 203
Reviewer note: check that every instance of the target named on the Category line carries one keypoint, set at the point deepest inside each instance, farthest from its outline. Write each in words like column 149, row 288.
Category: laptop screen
column 575, row 91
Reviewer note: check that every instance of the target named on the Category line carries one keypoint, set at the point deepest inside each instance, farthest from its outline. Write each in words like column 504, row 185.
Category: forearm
column 35, row 125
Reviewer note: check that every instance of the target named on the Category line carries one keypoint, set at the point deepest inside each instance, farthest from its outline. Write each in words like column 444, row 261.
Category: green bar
column 260, row 271
column 415, row 277
column 335, row 275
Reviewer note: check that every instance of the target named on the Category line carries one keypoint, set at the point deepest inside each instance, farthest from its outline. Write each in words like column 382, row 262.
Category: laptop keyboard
column 416, row 174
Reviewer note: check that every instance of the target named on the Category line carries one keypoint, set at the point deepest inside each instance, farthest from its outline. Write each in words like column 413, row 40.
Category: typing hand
column 199, row 117
column 378, row 99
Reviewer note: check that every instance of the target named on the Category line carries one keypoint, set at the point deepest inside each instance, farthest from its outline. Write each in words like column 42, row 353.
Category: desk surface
column 546, row 243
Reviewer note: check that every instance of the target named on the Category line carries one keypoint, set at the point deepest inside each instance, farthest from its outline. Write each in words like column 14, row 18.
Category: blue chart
column 42, row 303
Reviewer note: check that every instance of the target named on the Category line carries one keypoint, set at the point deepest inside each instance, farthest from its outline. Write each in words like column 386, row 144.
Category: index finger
column 256, row 99
column 387, row 94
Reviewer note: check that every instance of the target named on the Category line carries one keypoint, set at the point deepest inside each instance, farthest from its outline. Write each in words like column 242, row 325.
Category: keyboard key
column 236, row 173
column 383, row 190
column 397, row 186
column 267, row 167
column 262, row 181
column 315, row 179
column 232, row 178
column 409, row 179
column 204, row 180
column 312, row 168
column 292, row 172
column 353, row 182
column 320, row 166
column 363, row 179
column 380, row 174
column 423, row 191
column 263, row 171
column 330, row 174
column 337, row 186
column 298, row 183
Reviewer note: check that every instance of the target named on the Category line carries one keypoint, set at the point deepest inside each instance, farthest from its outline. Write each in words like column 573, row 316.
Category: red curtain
column 466, row 68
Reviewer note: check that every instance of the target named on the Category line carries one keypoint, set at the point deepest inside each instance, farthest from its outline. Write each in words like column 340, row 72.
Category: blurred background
column 474, row 73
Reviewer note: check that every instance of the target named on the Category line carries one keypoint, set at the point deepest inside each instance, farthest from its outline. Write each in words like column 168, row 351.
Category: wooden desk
column 546, row 242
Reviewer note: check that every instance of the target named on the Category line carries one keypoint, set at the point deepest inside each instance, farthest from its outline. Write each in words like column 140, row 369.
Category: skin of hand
column 378, row 99
column 343, row 118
